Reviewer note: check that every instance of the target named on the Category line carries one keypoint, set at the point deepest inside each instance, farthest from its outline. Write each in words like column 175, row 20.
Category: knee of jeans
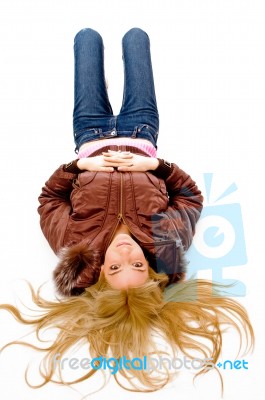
column 134, row 34
column 87, row 34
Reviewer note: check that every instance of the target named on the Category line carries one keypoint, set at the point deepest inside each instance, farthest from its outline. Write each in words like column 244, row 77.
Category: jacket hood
column 78, row 268
column 167, row 257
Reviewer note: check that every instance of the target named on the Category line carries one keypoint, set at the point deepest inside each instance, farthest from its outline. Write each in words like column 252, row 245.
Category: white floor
column 209, row 63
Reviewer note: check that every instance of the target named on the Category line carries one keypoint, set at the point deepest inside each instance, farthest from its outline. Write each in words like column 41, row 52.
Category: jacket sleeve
column 185, row 204
column 55, row 207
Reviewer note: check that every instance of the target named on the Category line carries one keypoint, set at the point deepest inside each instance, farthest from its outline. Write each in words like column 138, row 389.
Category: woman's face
column 125, row 264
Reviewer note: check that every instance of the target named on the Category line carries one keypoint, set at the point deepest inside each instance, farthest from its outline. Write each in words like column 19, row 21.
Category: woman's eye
column 138, row 264
column 113, row 267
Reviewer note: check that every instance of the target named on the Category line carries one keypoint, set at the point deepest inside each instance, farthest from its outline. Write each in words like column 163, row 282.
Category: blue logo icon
column 219, row 241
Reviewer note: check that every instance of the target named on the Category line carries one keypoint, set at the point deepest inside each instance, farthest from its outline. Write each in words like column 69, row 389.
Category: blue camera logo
column 219, row 241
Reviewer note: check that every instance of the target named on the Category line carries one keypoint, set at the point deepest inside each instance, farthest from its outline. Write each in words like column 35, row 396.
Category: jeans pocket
column 84, row 136
column 145, row 131
column 79, row 134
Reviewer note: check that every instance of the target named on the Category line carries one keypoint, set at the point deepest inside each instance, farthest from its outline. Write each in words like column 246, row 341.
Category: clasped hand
column 121, row 160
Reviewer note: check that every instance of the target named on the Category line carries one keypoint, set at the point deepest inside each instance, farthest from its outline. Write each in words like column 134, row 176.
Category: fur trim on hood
column 78, row 268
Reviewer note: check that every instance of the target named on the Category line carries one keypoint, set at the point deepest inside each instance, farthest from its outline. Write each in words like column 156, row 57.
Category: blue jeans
column 93, row 117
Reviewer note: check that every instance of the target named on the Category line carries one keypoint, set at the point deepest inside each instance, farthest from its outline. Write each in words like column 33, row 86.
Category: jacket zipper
column 120, row 217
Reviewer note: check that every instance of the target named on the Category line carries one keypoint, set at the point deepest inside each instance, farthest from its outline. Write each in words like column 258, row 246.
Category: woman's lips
column 123, row 244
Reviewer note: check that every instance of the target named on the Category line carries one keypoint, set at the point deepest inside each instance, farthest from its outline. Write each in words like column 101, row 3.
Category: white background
column 209, row 67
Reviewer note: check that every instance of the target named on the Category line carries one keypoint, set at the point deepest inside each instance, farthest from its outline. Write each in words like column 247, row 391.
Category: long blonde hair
column 191, row 316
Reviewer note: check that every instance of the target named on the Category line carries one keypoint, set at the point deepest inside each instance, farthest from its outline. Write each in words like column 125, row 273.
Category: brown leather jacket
column 80, row 212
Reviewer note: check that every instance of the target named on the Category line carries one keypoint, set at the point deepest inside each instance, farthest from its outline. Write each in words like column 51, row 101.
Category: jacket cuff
column 72, row 167
column 163, row 170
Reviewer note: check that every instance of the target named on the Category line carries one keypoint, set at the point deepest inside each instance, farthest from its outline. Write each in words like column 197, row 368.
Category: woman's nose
column 124, row 249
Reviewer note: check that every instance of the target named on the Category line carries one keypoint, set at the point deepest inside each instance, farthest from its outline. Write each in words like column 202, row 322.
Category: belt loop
column 99, row 131
column 135, row 132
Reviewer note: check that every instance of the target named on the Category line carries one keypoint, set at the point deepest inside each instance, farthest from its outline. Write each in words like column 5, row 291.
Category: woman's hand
column 122, row 160
column 126, row 161
column 106, row 162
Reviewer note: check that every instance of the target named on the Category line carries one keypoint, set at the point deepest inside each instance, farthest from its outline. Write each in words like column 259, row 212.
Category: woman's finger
column 127, row 168
column 107, row 169
column 116, row 154
column 118, row 161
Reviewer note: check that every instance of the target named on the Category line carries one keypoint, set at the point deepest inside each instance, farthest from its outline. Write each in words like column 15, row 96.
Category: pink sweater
column 147, row 147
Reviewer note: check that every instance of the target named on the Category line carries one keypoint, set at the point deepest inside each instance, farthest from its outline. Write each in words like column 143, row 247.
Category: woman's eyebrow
column 116, row 272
